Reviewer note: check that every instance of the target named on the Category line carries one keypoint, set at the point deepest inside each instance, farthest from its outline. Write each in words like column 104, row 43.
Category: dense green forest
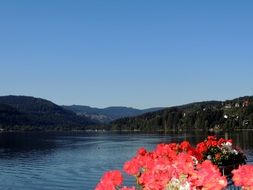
column 211, row 115
column 28, row 113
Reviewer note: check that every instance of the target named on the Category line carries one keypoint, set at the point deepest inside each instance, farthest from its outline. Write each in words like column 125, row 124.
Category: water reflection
column 63, row 161
column 24, row 144
column 242, row 139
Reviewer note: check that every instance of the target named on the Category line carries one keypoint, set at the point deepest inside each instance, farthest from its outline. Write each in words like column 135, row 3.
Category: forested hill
column 106, row 115
column 230, row 114
column 29, row 113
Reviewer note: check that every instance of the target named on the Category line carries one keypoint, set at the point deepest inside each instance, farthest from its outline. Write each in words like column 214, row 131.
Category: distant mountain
column 106, row 115
column 209, row 115
column 29, row 113
column 23, row 112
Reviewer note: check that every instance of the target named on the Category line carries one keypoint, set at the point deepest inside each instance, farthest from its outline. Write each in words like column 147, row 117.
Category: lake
column 76, row 161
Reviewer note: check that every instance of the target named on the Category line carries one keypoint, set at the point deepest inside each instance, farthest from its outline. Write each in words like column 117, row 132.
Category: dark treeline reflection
column 16, row 144
column 25, row 142
column 243, row 139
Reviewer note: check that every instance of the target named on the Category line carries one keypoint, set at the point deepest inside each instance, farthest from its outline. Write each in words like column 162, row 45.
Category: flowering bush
column 220, row 151
column 243, row 176
column 177, row 167
column 110, row 180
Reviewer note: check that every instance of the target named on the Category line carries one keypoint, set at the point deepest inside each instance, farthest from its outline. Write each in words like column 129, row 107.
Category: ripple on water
column 65, row 162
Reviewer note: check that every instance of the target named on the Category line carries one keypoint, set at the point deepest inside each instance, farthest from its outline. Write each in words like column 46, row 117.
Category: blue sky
column 137, row 53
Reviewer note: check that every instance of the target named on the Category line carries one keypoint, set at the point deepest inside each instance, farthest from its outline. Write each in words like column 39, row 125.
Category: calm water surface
column 61, row 161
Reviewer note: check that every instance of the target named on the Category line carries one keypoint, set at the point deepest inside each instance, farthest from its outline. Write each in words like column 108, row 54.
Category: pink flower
column 177, row 166
column 208, row 176
column 243, row 176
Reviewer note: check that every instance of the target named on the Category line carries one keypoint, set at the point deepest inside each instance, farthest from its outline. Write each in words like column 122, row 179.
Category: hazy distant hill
column 25, row 112
column 230, row 114
column 106, row 115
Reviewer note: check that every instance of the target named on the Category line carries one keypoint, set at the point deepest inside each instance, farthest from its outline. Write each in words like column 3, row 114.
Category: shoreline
column 120, row 131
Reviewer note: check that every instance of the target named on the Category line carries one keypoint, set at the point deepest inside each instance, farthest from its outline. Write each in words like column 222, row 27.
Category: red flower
column 219, row 151
column 132, row 167
column 217, row 156
column 178, row 166
column 185, row 145
column 110, row 180
column 142, row 151
column 202, row 147
column 211, row 138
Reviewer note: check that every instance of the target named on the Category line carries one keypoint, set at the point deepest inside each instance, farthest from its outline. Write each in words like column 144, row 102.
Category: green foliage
column 212, row 115
column 28, row 113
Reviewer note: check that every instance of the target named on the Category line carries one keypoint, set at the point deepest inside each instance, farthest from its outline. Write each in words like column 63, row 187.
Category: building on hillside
column 245, row 103
column 237, row 105
column 228, row 106
column 226, row 116
column 245, row 122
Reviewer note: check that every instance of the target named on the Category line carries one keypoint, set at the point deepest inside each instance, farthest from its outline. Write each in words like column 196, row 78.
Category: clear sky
column 137, row 53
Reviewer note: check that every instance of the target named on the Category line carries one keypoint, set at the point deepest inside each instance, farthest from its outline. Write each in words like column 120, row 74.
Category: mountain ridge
column 26, row 112
column 30, row 113
column 108, row 114
column 207, row 115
